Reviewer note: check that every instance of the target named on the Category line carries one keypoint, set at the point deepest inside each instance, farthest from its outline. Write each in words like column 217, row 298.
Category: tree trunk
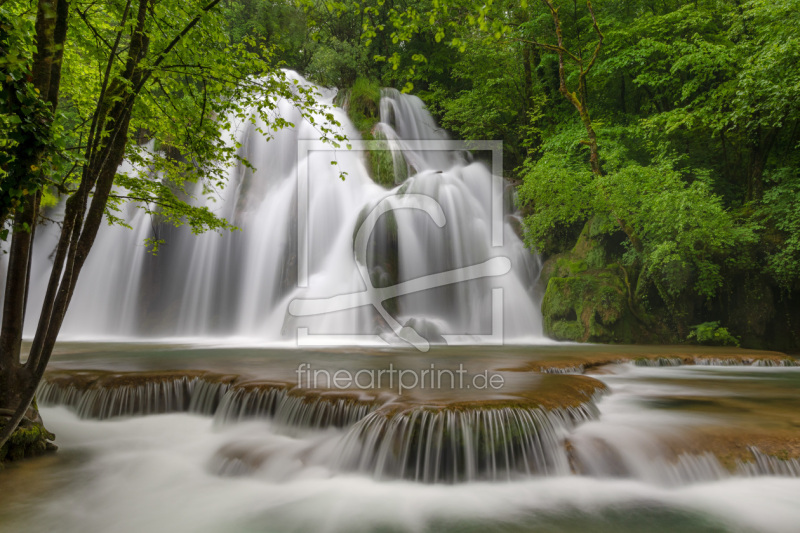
column 758, row 163
column 17, row 278
column 528, row 76
column 104, row 153
column 15, row 378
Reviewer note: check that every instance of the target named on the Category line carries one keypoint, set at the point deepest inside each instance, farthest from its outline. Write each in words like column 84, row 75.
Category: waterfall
column 447, row 445
column 100, row 395
column 240, row 284
column 107, row 395
column 378, row 433
column 385, row 437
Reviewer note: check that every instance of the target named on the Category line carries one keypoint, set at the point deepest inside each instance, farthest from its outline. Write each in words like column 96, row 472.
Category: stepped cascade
column 545, row 426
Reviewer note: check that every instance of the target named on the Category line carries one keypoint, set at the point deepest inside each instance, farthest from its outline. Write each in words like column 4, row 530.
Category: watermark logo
column 376, row 296
column 397, row 380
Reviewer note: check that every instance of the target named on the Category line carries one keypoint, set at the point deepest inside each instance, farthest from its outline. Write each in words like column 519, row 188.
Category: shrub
column 712, row 334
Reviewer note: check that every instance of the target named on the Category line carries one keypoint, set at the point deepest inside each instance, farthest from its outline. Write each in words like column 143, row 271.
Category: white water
column 186, row 472
column 633, row 440
column 154, row 474
column 238, row 286
column 173, row 473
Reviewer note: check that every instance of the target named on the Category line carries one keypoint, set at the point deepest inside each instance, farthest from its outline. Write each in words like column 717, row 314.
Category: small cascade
column 146, row 399
column 784, row 362
column 659, row 361
column 646, row 461
column 112, row 396
column 248, row 403
column 206, row 396
column 727, row 361
column 139, row 394
column 684, row 469
column 706, row 360
column 766, row 465
column 290, row 408
column 453, row 445
column 570, row 369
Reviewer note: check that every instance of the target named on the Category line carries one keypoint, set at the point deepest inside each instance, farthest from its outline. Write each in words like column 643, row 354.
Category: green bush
column 712, row 334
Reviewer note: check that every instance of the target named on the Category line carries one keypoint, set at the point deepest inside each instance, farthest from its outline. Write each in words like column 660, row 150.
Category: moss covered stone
column 584, row 307
column 30, row 439
column 586, row 298
column 362, row 103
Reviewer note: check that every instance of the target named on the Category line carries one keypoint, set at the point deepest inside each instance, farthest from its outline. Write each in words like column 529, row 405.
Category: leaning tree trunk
column 30, row 437
column 105, row 151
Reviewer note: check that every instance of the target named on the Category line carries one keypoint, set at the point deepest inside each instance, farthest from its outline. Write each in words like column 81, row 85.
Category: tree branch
column 176, row 40
column 104, row 87
column 599, row 38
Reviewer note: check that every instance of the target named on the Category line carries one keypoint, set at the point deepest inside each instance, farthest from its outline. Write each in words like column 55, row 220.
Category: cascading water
column 447, row 445
column 235, row 444
column 272, row 454
column 241, row 284
column 389, row 436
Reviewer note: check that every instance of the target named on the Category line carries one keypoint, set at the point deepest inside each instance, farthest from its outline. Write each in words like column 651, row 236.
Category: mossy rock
column 30, row 439
column 586, row 296
column 362, row 103
column 587, row 306
column 587, row 254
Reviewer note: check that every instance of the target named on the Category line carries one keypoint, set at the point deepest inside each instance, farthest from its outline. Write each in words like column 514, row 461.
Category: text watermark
column 399, row 379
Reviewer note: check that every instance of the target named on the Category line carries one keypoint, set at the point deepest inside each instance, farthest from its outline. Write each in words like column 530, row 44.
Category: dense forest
column 653, row 145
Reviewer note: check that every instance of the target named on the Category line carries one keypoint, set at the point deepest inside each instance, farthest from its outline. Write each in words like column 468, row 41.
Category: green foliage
column 281, row 23
column 711, row 333
column 26, row 120
column 781, row 210
column 337, row 63
column 557, row 188
column 488, row 106
column 687, row 235
column 195, row 99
